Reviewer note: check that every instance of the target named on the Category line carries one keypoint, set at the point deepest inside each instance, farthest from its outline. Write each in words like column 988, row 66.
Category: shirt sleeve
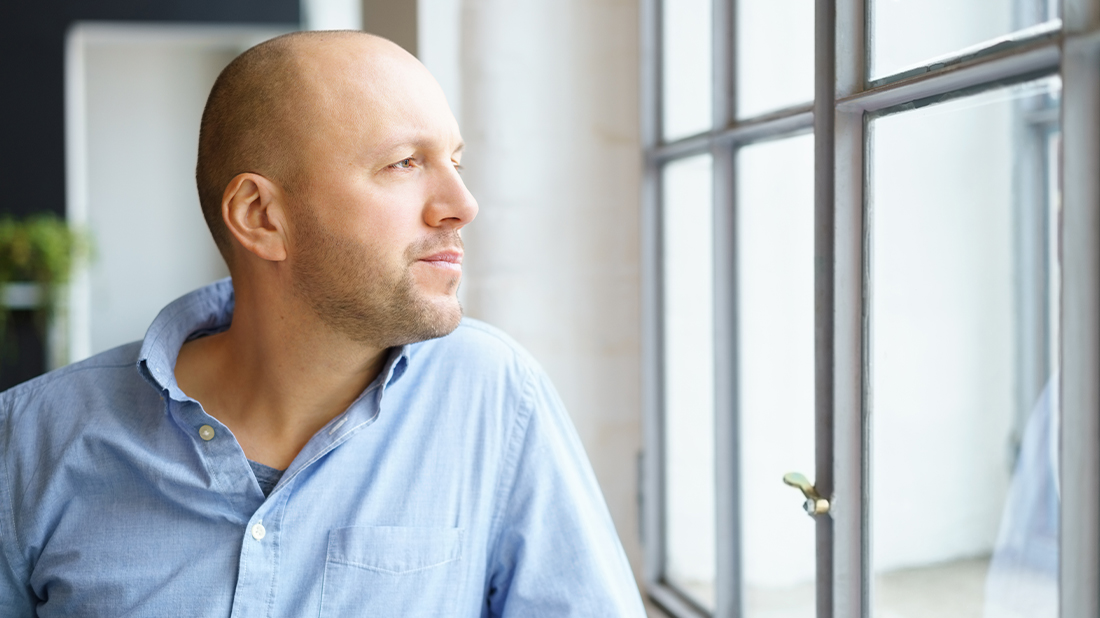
column 556, row 550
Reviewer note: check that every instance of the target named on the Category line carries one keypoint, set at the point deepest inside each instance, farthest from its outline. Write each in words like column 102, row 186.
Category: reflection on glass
column 964, row 346
column 775, row 55
column 907, row 33
column 686, row 67
column 775, row 276
column 689, row 378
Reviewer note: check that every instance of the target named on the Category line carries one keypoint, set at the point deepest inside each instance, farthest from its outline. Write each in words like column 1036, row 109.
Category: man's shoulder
column 486, row 337
column 476, row 341
column 476, row 349
column 106, row 372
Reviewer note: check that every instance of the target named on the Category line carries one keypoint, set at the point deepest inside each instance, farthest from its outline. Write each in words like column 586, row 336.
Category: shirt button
column 206, row 432
column 258, row 532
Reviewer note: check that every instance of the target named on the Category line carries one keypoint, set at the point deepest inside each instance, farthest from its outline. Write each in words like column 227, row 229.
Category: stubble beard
column 362, row 299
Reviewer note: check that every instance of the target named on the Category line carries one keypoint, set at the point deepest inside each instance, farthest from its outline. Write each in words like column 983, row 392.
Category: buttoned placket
column 263, row 535
column 260, row 519
column 232, row 478
column 258, row 566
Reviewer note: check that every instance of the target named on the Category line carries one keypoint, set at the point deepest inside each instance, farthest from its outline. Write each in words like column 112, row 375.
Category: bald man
column 323, row 434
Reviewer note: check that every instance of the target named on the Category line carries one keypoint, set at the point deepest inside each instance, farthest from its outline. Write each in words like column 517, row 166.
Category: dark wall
column 32, row 109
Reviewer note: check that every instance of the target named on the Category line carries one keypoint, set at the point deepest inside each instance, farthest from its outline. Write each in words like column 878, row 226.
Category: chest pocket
column 392, row 571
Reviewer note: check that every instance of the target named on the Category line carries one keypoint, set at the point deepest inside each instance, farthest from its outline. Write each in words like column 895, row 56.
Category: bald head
column 272, row 101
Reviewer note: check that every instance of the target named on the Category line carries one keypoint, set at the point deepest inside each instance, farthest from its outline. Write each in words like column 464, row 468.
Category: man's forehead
column 400, row 121
column 427, row 139
column 394, row 109
column 367, row 94
column 364, row 75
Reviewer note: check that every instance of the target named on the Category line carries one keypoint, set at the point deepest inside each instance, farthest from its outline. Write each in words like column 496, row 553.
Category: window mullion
column 824, row 169
column 652, row 489
column 849, row 447
column 729, row 600
column 1080, row 328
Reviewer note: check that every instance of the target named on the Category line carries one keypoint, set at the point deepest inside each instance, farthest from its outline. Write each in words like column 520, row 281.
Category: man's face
column 376, row 212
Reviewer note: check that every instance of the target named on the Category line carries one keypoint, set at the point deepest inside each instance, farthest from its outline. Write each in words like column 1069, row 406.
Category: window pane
column 689, row 378
column 907, row 33
column 775, row 271
column 775, row 55
column 686, row 62
column 964, row 308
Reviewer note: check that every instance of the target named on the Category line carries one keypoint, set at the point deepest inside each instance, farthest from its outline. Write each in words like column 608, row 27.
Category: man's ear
column 254, row 210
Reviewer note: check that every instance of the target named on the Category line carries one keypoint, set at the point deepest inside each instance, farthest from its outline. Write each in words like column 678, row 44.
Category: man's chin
column 436, row 319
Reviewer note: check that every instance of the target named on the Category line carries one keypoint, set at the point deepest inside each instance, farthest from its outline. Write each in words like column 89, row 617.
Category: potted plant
column 36, row 258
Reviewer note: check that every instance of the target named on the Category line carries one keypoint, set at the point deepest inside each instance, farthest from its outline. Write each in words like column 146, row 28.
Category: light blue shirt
column 455, row 485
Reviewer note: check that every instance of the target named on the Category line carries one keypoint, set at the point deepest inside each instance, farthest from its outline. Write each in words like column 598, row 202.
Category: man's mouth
column 449, row 259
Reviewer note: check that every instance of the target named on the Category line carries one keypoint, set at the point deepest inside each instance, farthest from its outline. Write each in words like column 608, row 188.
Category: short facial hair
column 367, row 300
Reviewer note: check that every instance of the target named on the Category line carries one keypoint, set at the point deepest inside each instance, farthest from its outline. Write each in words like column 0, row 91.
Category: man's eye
column 403, row 163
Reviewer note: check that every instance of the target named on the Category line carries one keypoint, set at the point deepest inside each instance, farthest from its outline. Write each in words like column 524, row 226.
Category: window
column 872, row 234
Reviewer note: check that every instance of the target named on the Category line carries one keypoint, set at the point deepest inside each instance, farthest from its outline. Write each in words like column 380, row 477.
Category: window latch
column 815, row 504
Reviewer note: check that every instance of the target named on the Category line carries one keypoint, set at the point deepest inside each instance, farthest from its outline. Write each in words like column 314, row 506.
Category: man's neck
column 275, row 381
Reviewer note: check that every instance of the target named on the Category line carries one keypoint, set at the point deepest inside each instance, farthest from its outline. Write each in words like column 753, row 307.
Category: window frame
column 845, row 99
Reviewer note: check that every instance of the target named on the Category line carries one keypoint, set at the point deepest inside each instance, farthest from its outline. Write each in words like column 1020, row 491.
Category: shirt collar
column 205, row 311
column 201, row 312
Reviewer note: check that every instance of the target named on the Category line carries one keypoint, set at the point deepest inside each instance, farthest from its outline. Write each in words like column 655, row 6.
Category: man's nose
column 450, row 203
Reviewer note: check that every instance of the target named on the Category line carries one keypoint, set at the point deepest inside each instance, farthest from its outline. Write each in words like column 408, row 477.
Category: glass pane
column 689, row 378
column 686, row 62
column 775, row 55
column 908, row 33
column 964, row 308
column 775, row 271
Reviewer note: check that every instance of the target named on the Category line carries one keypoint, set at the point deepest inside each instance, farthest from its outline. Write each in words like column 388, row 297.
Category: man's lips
column 445, row 259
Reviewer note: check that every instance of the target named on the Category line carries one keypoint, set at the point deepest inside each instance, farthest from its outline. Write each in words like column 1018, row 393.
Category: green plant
column 39, row 249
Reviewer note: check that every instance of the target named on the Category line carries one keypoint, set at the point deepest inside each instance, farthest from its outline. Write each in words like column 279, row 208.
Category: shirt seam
column 328, row 449
column 278, row 515
column 496, row 334
column 510, row 470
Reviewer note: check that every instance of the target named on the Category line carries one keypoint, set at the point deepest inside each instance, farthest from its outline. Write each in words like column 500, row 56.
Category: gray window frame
column 844, row 99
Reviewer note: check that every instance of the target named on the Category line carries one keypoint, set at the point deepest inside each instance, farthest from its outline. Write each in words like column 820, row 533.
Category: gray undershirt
column 266, row 476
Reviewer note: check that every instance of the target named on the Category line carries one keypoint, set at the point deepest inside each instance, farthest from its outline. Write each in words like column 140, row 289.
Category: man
column 324, row 436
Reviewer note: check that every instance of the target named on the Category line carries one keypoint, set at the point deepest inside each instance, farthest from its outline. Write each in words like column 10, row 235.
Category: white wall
column 332, row 14
column 135, row 98
column 439, row 47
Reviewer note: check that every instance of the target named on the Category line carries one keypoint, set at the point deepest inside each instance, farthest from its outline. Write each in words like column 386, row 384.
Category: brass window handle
column 815, row 504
